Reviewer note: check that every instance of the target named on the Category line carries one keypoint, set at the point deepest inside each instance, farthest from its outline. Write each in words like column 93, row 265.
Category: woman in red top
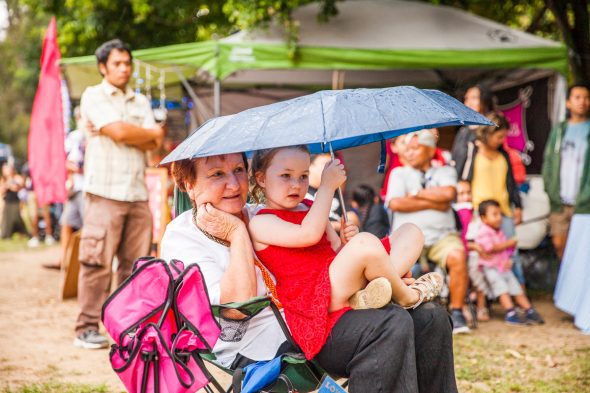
column 317, row 271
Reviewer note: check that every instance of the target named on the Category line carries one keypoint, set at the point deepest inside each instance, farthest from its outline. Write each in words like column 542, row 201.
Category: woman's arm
column 267, row 229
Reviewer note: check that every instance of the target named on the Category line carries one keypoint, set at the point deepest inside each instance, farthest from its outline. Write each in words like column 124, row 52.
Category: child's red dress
column 303, row 285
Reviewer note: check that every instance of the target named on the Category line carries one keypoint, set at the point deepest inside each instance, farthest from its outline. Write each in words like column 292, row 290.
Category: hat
column 425, row 138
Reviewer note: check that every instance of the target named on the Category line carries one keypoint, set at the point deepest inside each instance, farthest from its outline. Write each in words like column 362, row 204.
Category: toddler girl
column 317, row 271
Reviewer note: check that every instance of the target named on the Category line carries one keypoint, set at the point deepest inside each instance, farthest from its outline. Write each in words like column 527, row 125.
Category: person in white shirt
column 214, row 235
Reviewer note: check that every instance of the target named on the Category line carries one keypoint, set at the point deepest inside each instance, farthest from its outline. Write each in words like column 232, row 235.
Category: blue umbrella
column 328, row 120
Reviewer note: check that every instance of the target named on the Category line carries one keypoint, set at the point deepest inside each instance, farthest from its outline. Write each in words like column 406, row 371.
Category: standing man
column 117, row 221
column 421, row 194
column 566, row 166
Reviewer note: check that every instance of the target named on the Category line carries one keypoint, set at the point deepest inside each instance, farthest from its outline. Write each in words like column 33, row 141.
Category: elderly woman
column 385, row 350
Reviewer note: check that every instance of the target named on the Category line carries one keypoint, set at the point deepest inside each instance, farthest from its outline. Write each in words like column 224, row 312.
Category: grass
column 487, row 366
column 16, row 243
column 58, row 387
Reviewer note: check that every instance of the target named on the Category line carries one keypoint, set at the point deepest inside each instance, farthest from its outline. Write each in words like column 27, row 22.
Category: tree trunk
column 576, row 36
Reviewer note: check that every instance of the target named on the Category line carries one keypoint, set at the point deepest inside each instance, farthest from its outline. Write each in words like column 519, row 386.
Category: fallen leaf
column 513, row 353
column 550, row 362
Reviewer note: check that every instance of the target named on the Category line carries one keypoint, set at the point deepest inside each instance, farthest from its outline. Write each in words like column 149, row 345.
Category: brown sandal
column 428, row 286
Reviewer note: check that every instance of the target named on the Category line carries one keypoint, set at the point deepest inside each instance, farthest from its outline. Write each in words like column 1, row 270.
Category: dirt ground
column 36, row 333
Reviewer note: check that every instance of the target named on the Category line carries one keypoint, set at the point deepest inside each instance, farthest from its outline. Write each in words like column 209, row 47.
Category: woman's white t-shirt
column 185, row 242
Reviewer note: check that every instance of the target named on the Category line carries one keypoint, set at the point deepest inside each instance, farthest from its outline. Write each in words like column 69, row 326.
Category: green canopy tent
column 369, row 43
column 377, row 42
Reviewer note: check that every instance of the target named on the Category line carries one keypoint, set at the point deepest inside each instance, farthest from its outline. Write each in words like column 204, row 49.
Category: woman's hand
column 347, row 231
column 333, row 175
column 218, row 223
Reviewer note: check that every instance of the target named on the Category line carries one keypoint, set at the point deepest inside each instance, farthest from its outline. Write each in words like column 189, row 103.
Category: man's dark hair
column 483, row 207
column 574, row 86
column 103, row 51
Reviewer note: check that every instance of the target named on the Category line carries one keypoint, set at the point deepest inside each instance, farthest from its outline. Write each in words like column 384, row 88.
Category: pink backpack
column 160, row 318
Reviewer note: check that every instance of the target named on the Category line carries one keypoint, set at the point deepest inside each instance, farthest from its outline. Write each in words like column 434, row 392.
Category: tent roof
column 399, row 36
column 395, row 24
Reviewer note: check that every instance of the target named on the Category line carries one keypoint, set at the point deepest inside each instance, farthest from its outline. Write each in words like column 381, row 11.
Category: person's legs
column 48, row 224
column 523, row 301
column 100, row 238
column 406, row 245
column 510, row 231
column 449, row 253
column 505, row 301
column 136, row 238
column 560, row 223
column 374, row 349
column 361, row 260
column 433, row 340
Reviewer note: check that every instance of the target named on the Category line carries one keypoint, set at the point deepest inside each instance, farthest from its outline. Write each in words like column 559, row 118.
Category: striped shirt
column 114, row 170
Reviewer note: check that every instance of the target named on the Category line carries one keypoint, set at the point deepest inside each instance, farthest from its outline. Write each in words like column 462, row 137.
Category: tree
column 567, row 20
column 572, row 17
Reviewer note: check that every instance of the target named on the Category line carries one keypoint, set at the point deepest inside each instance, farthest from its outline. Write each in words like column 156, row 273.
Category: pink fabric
column 136, row 298
column 160, row 302
column 488, row 237
column 47, row 156
column 192, row 305
column 173, row 376
column 465, row 213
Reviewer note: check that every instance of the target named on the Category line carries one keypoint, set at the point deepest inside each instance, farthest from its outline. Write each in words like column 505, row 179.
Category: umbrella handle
column 340, row 196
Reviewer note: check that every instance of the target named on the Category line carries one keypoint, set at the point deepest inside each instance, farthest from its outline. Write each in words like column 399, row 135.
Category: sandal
column 428, row 286
column 376, row 294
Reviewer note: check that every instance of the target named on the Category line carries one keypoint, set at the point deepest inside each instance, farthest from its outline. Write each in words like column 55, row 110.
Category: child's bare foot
column 483, row 315
column 376, row 294
column 428, row 287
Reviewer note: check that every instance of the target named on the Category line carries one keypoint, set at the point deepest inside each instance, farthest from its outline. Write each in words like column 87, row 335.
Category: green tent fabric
column 366, row 35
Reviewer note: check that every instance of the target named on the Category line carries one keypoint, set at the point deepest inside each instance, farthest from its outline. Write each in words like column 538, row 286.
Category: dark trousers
column 392, row 350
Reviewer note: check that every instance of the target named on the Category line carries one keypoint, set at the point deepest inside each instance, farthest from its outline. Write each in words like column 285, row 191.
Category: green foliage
column 246, row 14
column 84, row 24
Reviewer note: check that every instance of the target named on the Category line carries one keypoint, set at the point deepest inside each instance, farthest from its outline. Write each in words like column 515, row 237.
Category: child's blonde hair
column 261, row 160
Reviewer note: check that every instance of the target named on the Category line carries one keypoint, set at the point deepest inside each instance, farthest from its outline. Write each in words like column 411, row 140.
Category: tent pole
column 198, row 105
column 217, row 97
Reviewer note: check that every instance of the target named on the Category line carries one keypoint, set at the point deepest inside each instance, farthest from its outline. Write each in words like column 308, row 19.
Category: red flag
column 47, row 157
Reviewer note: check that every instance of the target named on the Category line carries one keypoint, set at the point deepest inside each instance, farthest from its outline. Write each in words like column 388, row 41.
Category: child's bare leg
column 361, row 260
column 481, row 300
column 506, row 301
column 522, row 301
column 406, row 242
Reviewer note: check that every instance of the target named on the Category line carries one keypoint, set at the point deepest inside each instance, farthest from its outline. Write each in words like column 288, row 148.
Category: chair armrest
column 249, row 308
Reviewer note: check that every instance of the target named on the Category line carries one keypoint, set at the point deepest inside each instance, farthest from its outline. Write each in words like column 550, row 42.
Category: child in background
column 372, row 216
column 320, row 274
column 464, row 208
column 497, row 266
column 487, row 166
column 469, row 224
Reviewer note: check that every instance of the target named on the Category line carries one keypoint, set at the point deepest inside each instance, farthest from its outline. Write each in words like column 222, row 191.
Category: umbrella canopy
column 329, row 119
